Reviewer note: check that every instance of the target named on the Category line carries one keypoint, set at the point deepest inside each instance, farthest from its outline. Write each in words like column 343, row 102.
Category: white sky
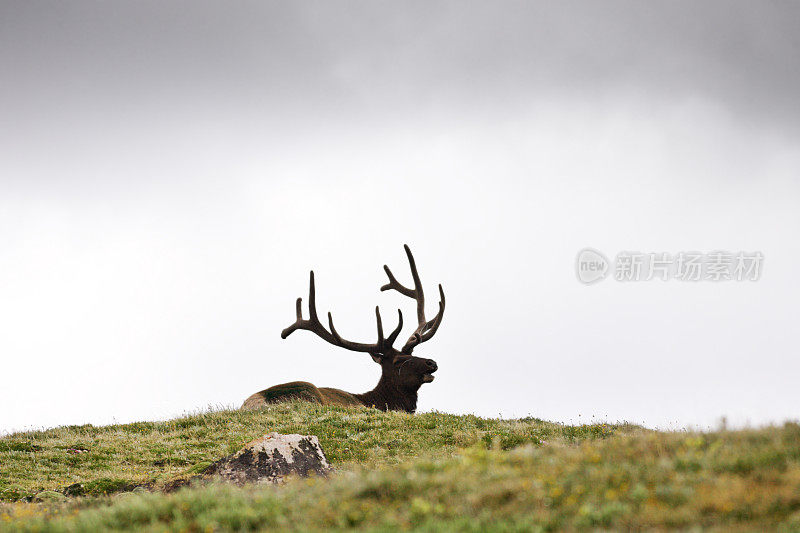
column 167, row 179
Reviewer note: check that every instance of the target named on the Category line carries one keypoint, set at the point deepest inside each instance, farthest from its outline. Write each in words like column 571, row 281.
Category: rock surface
column 272, row 457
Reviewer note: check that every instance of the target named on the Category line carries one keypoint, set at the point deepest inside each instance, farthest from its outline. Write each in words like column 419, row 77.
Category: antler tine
column 393, row 336
column 419, row 295
column 288, row 331
column 380, row 325
column 433, row 325
column 426, row 329
column 312, row 324
column 312, row 299
column 396, row 285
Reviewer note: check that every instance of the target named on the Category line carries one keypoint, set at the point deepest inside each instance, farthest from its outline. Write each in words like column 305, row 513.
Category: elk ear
column 376, row 357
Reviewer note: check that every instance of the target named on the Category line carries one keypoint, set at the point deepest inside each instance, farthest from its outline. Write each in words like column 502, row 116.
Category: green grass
column 431, row 472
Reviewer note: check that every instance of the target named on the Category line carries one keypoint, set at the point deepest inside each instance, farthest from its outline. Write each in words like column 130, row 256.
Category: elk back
column 302, row 391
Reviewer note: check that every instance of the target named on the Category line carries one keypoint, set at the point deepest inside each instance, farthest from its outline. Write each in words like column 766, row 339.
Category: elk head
column 402, row 373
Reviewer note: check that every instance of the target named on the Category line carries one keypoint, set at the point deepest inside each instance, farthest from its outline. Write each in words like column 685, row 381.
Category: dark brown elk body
column 402, row 374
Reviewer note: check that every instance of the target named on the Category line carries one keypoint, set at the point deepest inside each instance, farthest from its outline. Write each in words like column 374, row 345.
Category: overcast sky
column 170, row 171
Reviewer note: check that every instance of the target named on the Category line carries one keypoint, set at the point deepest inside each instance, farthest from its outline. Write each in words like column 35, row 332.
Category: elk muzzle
column 432, row 367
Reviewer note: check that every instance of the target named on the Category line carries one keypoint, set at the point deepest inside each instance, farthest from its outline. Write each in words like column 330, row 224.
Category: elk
column 402, row 374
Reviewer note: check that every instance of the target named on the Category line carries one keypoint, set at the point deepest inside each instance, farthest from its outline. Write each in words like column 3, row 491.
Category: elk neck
column 389, row 396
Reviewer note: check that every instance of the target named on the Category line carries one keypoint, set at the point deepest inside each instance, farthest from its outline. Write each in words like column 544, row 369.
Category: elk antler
column 426, row 329
column 313, row 324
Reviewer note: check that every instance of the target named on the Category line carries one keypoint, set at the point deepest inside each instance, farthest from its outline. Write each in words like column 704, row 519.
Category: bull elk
column 402, row 374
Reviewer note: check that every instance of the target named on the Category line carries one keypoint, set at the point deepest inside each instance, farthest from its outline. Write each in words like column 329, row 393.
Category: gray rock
column 272, row 457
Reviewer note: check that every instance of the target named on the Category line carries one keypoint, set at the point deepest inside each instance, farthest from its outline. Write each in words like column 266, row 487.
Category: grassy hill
column 429, row 472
